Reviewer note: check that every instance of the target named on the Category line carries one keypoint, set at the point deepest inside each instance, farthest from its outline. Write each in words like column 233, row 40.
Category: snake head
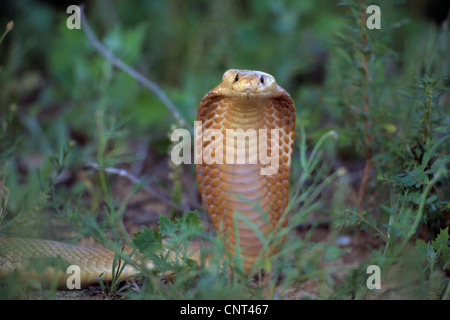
column 248, row 83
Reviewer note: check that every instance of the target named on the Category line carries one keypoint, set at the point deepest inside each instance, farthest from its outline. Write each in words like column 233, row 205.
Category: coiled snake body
column 258, row 191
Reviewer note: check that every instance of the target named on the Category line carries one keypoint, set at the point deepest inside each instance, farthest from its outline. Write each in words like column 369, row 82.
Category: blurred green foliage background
column 51, row 72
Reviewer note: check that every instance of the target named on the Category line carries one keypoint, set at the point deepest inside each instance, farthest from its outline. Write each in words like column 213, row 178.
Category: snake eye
column 236, row 78
column 262, row 79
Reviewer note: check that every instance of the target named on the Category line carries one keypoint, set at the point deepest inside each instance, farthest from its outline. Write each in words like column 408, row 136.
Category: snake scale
column 258, row 191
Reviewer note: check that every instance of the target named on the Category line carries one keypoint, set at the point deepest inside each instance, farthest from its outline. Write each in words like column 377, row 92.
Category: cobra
column 247, row 100
column 243, row 204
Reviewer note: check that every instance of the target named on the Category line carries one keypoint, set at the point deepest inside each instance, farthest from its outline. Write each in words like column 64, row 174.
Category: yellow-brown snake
column 258, row 191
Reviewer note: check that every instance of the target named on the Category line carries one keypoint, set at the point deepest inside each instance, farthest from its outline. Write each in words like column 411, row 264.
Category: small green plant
column 9, row 27
column 418, row 172
column 361, row 56
column 407, row 150
column 116, row 287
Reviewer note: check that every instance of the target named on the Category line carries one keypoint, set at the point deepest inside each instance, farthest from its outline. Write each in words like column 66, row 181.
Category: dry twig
column 367, row 136
column 132, row 72
column 125, row 174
